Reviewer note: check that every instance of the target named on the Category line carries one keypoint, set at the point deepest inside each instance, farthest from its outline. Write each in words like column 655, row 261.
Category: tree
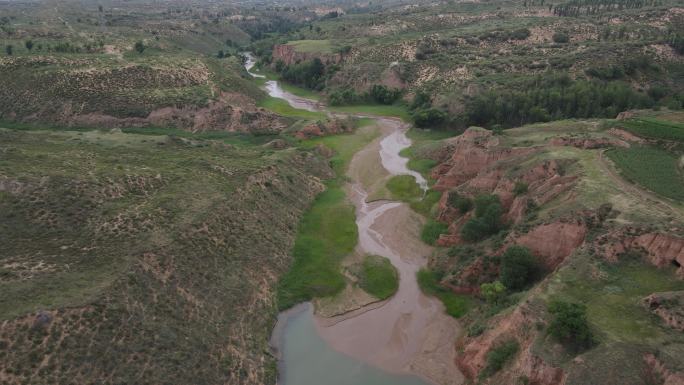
column 493, row 292
column 29, row 44
column 9, row 49
column 220, row 54
column 519, row 268
column 569, row 325
column 139, row 46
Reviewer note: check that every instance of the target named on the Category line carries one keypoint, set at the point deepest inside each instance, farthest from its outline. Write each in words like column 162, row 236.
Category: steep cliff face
column 660, row 249
column 518, row 326
column 289, row 55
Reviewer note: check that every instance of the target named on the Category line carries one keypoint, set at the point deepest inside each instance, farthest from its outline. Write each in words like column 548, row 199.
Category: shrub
column 493, row 292
column 561, row 37
column 519, row 268
column 569, row 325
column 9, row 49
column 461, row 203
column 139, row 46
column 498, row 356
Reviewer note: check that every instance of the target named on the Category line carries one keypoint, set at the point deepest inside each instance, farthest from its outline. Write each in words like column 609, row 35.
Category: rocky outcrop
column 660, row 249
column 289, row 55
column 669, row 306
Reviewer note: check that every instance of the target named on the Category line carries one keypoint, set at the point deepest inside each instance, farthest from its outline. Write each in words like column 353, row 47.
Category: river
column 406, row 340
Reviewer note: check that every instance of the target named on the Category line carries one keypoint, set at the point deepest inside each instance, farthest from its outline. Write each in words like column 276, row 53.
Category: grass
column 456, row 305
column 282, row 107
column 432, row 230
column 378, row 277
column 652, row 168
column 327, row 233
column 652, row 128
column 394, row 110
column 404, row 188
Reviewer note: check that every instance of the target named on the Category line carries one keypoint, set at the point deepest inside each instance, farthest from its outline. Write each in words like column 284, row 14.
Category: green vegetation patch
column 498, row 356
column 282, row 107
column 378, row 277
column 651, row 128
column 404, row 188
column 456, row 305
column 327, row 233
column 395, row 110
column 316, row 46
column 652, row 168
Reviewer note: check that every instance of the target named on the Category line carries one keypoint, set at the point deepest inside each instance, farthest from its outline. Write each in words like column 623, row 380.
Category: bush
column 519, row 268
column 139, row 46
column 520, row 34
column 498, row 356
column 493, row 292
column 461, row 203
column 569, row 325
column 561, row 37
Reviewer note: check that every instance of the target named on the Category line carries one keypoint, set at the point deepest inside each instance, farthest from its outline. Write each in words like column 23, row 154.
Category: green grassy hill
column 124, row 256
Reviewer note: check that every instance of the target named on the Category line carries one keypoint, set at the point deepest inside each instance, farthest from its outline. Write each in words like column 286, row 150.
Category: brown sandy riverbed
column 409, row 333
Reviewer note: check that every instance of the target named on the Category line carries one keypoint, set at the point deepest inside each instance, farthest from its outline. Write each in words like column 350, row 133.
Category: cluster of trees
column 309, row 74
column 551, row 98
column 576, row 8
column 378, row 93
column 424, row 114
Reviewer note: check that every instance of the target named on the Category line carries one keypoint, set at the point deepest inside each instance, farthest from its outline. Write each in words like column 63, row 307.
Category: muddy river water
column 406, row 340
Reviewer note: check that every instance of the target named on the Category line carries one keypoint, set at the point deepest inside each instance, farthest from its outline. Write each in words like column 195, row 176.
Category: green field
column 378, row 277
column 651, row 128
column 652, row 168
